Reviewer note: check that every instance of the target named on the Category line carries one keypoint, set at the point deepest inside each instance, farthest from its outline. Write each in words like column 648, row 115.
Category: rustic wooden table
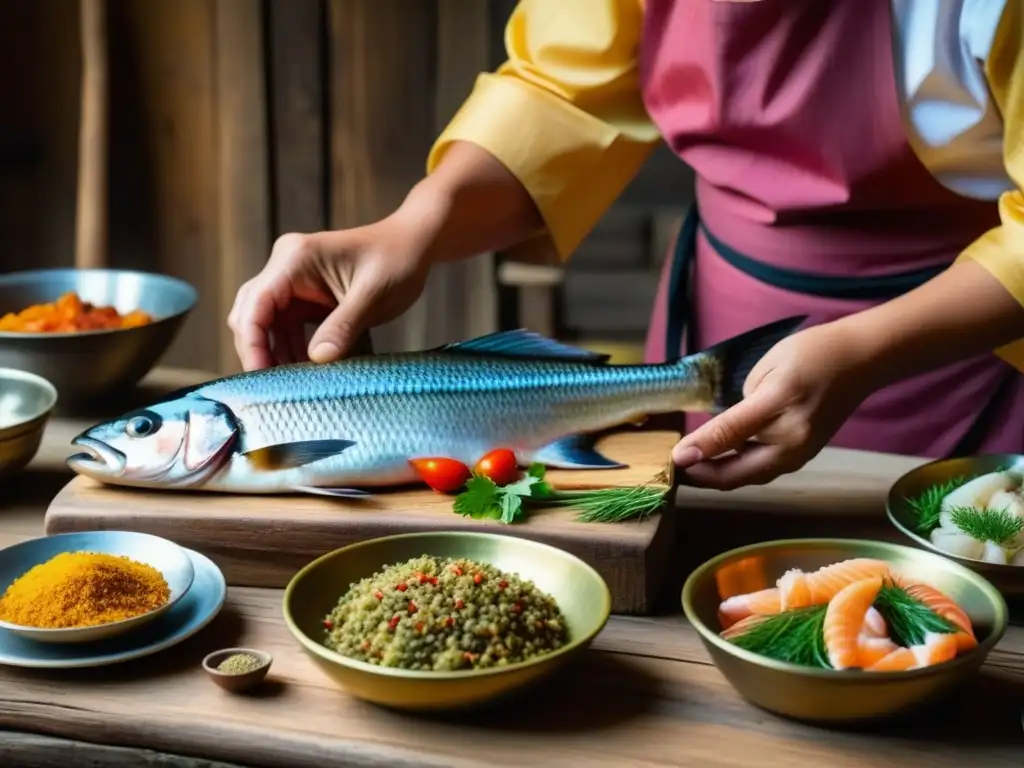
column 646, row 695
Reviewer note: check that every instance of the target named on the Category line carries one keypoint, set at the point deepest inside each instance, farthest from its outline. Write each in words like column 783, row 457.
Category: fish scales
column 439, row 403
column 342, row 426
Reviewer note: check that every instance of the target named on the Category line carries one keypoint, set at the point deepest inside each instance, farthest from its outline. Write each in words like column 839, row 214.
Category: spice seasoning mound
column 240, row 664
column 440, row 614
column 83, row 589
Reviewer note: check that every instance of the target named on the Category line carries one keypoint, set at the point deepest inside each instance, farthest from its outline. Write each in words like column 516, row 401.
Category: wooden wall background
column 233, row 121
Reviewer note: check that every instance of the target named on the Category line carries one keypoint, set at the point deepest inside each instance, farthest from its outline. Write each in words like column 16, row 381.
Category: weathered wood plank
column 644, row 696
column 243, row 154
column 297, row 63
column 29, row 750
column 170, row 96
column 382, row 112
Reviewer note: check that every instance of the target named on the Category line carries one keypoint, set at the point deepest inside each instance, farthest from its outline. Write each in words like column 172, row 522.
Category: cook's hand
column 795, row 399
column 347, row 281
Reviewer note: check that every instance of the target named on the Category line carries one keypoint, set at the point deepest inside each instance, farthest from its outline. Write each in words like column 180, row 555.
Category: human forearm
column 470, row 204
column 963, row 312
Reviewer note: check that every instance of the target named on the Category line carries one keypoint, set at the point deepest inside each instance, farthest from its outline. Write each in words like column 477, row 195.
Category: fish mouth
column 98, row 459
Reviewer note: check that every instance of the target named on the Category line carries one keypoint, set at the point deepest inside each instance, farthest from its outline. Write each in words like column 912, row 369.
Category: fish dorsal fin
column 525, row 344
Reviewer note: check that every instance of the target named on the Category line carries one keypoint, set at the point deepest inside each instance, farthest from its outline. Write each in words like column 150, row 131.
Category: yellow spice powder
column 83, row 589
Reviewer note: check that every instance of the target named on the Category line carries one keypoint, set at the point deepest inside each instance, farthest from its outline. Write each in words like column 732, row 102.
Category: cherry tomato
column 443, row 475
column 500, row 466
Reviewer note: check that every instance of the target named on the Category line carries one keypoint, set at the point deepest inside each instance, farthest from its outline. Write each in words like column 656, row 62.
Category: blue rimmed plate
column 195, row 610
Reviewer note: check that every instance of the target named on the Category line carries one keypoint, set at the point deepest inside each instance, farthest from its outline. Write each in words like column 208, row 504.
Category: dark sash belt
column 874, row 288
column 678, row 322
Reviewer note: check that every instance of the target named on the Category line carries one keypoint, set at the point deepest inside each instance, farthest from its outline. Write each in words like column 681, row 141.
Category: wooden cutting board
column 261, row 541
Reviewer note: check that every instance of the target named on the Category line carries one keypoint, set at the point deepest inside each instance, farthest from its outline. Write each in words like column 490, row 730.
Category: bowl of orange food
column 92, row 333
column 842, row 631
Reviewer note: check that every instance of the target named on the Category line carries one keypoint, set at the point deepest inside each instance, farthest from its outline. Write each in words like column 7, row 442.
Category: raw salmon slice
column 844, row 618
column 947, row 609
column 799, row 589
column 874, row 624
column 899, row 660
column 936, row 649
column 872, row 650
column 742, row 626
column 764, row 602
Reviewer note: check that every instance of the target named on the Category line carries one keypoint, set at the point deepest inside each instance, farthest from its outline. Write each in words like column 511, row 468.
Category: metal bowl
column 163, row 555
column 89, row 365
column 825, row 695
column 1008, row 579
column 26, row 401
column 578, row 589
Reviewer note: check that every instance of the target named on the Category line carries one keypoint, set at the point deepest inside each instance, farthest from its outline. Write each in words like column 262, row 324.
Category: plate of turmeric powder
column 90, row 586
column 189, row 616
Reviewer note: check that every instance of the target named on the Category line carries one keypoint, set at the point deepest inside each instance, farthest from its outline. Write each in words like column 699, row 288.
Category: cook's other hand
column 807, row 385
column 351, row 280
column 795, row 399
column 345, row 281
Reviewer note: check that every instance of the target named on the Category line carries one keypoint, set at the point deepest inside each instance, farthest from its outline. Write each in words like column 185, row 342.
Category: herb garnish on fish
column 928, row 505
column 795, row 636
column 996, row 525
column 909, row 619
column 483, row 499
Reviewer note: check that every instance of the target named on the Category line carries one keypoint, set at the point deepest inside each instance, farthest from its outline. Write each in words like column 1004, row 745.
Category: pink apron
column 787, row 111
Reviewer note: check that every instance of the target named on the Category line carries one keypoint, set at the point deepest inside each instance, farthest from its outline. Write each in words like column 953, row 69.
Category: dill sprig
column 613, row 505
column 996, row 525
column 928, row 505
column 483, row 499
column 796, row 636
column 909, row 619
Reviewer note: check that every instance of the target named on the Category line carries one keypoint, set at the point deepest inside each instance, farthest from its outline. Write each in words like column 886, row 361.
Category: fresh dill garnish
column 996, row 525
column 909, row 619
column 796, row 636
column 928, row 505
column 483, row 499
column 613, row 505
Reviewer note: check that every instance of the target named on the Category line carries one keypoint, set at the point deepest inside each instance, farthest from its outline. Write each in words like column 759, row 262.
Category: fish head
column 180, row 442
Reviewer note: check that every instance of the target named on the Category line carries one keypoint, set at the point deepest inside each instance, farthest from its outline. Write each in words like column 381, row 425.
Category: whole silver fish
column 338, row 428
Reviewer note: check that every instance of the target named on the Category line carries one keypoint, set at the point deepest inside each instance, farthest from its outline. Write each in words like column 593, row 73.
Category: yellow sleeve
column 1001, row 250
column 564, row 113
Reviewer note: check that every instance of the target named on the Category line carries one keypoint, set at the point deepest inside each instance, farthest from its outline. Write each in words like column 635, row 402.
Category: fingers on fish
column 844, row 619
column 936, row 649
column 764, row 602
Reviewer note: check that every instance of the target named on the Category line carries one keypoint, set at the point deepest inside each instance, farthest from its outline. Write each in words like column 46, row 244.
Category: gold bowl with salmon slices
column 857, row 666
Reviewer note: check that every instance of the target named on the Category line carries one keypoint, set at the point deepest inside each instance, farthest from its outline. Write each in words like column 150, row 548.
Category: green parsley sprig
column 483, row 499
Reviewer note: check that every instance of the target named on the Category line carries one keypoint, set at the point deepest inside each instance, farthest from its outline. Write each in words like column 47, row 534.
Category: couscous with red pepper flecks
column 439, row 614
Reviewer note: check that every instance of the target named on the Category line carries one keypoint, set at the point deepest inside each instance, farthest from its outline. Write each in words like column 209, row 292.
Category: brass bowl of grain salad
column 433, row 621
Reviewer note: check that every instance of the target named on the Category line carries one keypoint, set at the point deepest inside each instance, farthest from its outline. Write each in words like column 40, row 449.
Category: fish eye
column 142, row 426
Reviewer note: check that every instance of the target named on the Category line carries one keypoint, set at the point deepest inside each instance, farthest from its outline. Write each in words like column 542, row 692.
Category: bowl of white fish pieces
column 969, row 509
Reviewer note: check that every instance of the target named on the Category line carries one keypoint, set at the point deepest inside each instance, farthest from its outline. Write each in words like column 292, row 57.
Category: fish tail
column 734, row 358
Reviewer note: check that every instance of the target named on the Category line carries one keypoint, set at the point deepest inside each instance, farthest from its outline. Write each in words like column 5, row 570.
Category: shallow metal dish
column 1008, row 579
column 26, row 401
column 165, row 556
column 578, row 589
column 825, row 695
column 94, row 364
